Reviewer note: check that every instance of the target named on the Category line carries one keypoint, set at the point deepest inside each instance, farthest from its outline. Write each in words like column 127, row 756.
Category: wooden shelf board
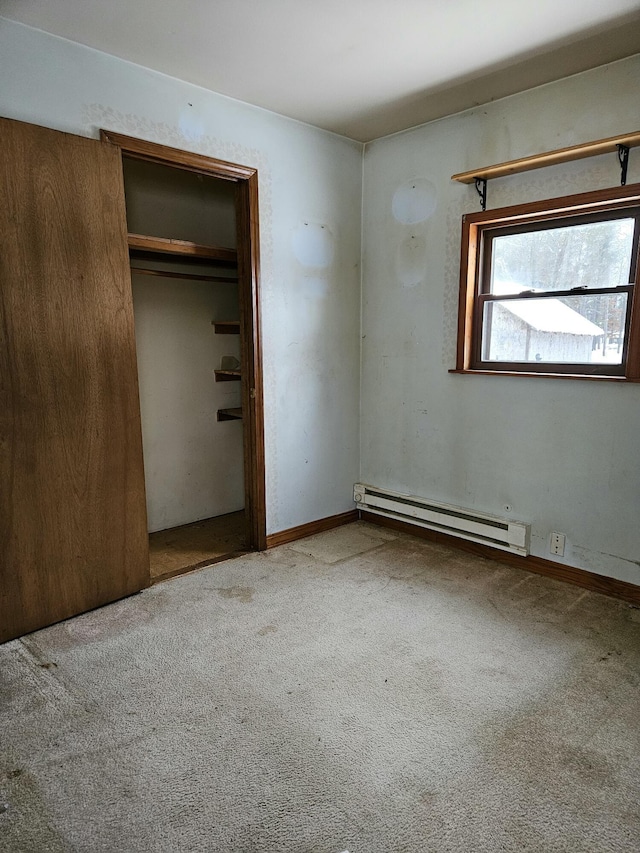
column 142, row 246
column 227, row 375
column 182, row 275
column 550, row 158
column 230, row 414
column 226, row 327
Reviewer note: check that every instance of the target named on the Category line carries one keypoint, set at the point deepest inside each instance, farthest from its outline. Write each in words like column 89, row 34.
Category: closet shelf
column 189, row 276
column 226, row 327
column 230, row 414
column 166, row 248
column 227, row 375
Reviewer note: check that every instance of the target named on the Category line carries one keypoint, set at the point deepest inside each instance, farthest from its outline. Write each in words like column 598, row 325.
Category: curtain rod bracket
column 623, row 157
column 481, row 189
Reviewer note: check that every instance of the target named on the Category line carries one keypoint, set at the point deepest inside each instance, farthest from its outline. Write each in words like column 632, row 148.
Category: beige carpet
column 355, row 691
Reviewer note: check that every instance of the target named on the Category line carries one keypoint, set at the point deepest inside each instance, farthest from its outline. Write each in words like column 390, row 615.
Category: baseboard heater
column 490, row 530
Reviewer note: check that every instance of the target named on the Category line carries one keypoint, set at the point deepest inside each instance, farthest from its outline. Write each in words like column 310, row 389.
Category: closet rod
column 550, row 158
column 183, row 275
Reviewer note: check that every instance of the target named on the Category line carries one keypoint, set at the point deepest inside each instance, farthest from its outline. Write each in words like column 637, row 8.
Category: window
column 548, row 288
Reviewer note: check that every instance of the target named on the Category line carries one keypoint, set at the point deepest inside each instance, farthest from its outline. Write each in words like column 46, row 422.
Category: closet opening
column 193, row 244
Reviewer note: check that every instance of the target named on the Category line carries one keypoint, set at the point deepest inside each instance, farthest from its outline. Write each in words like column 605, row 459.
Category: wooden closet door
column 73, row 531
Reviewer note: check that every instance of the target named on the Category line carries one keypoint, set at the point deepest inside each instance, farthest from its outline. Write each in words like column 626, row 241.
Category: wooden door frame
column 248, row 238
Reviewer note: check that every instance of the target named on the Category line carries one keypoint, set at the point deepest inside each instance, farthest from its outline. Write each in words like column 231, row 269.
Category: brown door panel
column 73, row 531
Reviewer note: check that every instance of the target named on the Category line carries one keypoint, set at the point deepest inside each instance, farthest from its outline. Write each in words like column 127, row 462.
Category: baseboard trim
column 311, row 527
column 579, row 577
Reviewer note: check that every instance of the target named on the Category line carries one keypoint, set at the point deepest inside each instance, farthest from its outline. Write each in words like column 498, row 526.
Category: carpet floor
column 359, row 690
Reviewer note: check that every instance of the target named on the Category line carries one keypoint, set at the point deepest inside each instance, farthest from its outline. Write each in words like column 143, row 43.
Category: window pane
column 597, row 254
column 574, row 329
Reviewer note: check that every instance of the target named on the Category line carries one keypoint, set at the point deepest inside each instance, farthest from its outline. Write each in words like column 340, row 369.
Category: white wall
column 310, row 201
column 192, row 463
column 563, row 454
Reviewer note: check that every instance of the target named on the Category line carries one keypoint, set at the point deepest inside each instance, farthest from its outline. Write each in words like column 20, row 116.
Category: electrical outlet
column 556, row 544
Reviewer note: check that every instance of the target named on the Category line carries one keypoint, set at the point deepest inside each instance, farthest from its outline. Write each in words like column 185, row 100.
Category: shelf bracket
column 481, row 189
column 623, row 158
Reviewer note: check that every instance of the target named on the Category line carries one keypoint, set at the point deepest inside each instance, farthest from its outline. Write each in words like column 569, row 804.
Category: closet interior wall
column 193, row 461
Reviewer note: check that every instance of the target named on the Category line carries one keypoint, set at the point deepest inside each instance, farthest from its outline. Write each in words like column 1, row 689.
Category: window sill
column 580, row 376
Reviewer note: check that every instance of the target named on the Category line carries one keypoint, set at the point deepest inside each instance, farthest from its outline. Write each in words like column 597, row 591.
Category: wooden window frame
column 474, row 265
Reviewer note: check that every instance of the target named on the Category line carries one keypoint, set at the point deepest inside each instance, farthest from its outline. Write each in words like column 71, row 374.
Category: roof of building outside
column 551, row 315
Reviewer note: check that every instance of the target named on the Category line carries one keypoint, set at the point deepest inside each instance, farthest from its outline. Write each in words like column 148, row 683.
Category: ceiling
column 360, row 68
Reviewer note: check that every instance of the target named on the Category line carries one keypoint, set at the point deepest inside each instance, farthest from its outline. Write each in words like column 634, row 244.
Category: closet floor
column 180, row 548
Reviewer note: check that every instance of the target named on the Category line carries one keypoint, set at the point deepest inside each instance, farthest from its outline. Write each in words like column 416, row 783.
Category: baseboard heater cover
column 468, row 524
